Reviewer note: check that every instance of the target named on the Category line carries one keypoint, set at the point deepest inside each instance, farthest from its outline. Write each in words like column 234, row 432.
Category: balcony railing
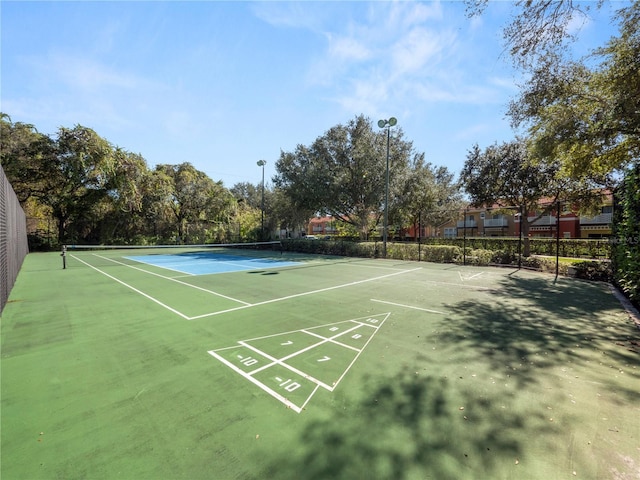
column 542, row 221
column 602, row 219
column 467, row 224
column 495, row 222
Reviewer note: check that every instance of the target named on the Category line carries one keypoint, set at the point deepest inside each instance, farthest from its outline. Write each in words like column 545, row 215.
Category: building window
column 450, row 232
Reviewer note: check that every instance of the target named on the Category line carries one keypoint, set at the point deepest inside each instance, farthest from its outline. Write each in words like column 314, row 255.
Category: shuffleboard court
column 291, row 366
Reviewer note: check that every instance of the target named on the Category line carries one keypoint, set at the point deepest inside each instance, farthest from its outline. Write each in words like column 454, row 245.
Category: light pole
column 520, row 212
column 386, row 123
column 464, row 235
column 262, row 163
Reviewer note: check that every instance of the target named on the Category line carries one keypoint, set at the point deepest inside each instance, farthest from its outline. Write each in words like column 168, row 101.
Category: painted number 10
column 248, row 361
column 289, row 385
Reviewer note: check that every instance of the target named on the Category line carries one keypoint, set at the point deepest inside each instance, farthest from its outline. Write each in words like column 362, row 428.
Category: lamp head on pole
column 393, row 121
column 262, row 163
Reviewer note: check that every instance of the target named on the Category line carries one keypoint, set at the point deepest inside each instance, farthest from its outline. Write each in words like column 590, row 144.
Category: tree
column 124, row 218
column 626, row 245
column 74, row 180
column 582, row 115
column 587, row 118
column 286, row 216
column 24, row 154
column 507, row 175
column 249, row 193
column 539, row 28
column 431, row 196
column 159, row 221
column 343, row 173
column 198, row 204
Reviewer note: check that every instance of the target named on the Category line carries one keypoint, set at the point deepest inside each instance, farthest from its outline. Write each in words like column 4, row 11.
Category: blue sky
column 225, row 84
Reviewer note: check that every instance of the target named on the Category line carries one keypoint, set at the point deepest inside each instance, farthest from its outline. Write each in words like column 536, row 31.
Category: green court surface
column 324, row 368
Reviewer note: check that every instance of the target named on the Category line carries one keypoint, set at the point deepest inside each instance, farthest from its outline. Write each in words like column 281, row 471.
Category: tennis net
column 248, row 247
column 109, row 255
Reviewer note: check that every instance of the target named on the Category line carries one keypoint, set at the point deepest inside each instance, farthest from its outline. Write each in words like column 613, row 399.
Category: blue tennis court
column 206, row 263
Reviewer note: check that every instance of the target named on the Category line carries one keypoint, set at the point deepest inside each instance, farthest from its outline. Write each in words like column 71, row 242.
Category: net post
column 63, row 254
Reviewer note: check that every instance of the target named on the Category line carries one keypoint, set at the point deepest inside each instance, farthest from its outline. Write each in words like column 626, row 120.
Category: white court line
column 133, row 288
column 408, row 306
column 464, row 285
column 468, row 278
column 326, row 339
column 167, row 266
column 288, row 297
column 365, row 265
column 309, row 398
column 377, row 327
column 271, row 392
column 344, row 345
column 172, row 279
column 353, row 320
column 275, row 361
column 281, row 361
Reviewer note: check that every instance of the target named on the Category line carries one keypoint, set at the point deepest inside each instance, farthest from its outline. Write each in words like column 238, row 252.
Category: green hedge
column 399, row 251
column 570, row 247
column 626, row 239
column 590, row 270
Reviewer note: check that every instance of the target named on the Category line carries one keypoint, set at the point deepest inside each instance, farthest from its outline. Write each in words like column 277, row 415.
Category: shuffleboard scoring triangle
column 291, row 366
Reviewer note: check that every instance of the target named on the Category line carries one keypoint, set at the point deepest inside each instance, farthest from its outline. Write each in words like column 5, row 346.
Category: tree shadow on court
column 410, row 426
column 527, row 325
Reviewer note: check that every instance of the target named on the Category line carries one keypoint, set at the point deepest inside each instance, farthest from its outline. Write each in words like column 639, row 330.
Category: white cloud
column 305, row 15
column 89, row 75
column 82, row 74
column 578, row 21
column 365, row 96
column 504, row 83
column 347, row 49
column 474, row 131
column 403, row 15
column 399, row 63
column 419, row 48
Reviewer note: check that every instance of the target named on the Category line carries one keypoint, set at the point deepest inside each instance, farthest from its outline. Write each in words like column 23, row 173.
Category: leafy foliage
column 539, row 28
column 597, row 271
column 98, row 193
column 399, row 251
column 196, row 202
column 586, row 117
column 24, row 152
column 504, row 175
column 343, row 173
column 430, row 196
column 626, row 240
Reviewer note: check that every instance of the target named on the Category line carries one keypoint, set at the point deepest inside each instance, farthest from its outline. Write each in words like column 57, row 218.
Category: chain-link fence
column 13, row 238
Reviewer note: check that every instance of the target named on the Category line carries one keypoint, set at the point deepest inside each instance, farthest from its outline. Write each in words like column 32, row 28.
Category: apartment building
column 501, row 221
column 322, row 226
